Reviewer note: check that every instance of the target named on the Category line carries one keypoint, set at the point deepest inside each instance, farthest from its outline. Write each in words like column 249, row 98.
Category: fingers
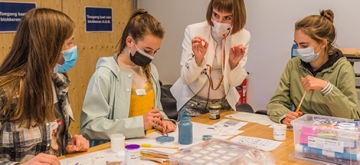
column 78, row 143
column 287, row 122
column 155, row 113
column 70, row 148
column 46, row 159
column 170, row 126
column 290, row 117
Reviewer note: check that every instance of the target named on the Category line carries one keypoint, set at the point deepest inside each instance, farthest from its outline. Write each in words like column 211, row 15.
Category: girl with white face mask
column 213, row 59
column 321, row 70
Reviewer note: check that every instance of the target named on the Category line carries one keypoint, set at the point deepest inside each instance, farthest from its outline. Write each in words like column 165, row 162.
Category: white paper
column 263, row 144
column 106, row 155
column 252, row 117
column 198, row 131
column 228, row 123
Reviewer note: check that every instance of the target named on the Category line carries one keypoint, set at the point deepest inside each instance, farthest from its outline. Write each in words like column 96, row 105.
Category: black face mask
column 140, row 58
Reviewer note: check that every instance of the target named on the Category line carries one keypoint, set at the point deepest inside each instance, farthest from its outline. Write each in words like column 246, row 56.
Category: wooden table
column 251, row 129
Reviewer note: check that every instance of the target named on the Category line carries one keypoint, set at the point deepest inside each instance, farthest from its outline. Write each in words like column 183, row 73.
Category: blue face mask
column 308, row 54
column 70, row 57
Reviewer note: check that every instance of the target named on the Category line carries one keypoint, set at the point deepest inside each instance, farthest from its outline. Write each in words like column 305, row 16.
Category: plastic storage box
column 322, row 138
column 212, row 152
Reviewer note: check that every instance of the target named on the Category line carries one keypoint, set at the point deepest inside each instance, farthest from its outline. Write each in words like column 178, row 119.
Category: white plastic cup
column 279, row 131
column 132, row 154
column 117, row 142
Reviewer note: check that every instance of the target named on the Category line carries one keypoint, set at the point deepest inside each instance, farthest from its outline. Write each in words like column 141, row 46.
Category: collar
column 329, row 63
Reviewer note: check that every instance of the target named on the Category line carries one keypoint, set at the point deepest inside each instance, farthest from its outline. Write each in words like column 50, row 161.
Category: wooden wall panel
column 6, row 39
column 91, row 46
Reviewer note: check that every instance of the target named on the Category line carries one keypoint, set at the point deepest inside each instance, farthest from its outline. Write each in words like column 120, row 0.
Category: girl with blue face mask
column 68, row 56
column 321, row 70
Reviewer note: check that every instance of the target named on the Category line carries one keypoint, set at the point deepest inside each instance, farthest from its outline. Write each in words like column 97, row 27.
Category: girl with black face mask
column 123, row 95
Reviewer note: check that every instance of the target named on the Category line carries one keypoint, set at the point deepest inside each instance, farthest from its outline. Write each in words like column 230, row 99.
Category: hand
column 311, row 83
column 290, row 117
column 169, row 127
column 43, row 159
column 236, row 54
column 77, row 143
column 153, row 118
column 199, row 49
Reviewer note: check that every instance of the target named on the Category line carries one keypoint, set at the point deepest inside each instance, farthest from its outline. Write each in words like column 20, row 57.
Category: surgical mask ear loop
column 223, row 66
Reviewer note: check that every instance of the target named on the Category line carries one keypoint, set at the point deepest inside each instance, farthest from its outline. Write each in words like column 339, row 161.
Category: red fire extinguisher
column 242, row 92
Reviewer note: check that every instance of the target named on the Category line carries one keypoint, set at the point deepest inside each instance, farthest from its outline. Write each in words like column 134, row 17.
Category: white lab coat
column 192, row 80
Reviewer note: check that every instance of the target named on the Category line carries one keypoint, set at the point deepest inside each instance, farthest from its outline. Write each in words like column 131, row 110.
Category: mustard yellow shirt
column 141, row 104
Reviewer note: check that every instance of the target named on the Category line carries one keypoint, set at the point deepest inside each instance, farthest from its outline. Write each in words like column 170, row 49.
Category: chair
column 168, row 102
column 262, row 112
column 245, row 107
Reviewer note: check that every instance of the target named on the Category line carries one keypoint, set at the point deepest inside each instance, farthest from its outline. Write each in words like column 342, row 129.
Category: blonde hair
column 25, row 74
column 236, row 7
column 320, row 28
column 140, row 24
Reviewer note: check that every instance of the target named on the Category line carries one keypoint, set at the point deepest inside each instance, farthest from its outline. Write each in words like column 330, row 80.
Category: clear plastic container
column 214, row 152
column 320, row 138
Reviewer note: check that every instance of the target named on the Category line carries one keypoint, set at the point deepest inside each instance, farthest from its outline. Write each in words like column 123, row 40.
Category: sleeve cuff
column 282, row 118
column 327, row 89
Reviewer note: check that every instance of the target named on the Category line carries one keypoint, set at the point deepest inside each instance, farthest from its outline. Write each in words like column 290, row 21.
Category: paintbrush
column 298, row 108
column 164, row 129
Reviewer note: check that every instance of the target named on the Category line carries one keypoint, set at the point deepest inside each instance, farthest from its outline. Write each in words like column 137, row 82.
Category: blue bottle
column 294, row 53
column 185, row 130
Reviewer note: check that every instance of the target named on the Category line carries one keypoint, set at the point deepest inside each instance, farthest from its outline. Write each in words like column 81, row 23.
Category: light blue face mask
column 308, row 54
column 70, row 57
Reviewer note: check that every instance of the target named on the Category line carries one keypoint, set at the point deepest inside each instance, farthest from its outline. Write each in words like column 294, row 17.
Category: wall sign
column 98, row 19
column 11, row 14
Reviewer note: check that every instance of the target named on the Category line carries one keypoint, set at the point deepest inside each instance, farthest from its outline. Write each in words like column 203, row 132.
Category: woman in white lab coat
column 219, row 44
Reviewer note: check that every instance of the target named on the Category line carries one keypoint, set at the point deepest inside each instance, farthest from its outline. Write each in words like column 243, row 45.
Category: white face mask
column 218, row 29
column 308, row 54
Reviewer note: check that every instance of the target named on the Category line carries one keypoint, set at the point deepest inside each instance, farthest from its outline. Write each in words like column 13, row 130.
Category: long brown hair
column 320, row 27
column 25, row 74
column 236, row 7
column 140, row 24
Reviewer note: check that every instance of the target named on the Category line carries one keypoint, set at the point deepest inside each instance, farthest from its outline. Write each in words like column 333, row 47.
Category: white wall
column 271, row 24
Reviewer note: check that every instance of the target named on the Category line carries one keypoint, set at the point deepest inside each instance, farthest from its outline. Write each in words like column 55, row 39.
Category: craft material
column 206, row 137
column 315, row 151
column 228, row 123
column 298, row 108
column 331, row 140
column 156, row 152
column 152, row 159
column 117, row 142
column 263, row 144
column 164, row 129
column 154, row 146
column 113, row 163
column 185, row 130
column 214, row 111
column 132, row 154
column 279, row 131
column 252, row 117
column 164, row 139
column 214, row 151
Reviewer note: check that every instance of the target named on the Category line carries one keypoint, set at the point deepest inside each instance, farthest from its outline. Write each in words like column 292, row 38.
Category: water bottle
column 294, row 52
column 185, row 130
